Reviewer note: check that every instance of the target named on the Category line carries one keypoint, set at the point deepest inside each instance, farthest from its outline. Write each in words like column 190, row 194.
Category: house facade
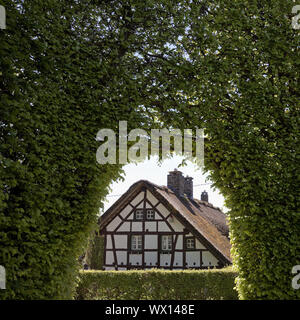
column 154, row 226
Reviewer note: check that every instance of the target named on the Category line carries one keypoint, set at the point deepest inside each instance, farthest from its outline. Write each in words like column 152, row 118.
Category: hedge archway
column 69, row 68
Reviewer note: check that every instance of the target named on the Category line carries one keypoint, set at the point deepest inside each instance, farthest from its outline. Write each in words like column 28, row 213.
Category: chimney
column 188, row 186
column 204, row 196
column 176, row 182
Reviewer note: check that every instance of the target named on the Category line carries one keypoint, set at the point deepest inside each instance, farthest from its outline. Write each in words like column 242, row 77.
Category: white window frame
column 139, row 214
column 190, row 243
column 150, row 214
column 166, row 242
column 136, row 242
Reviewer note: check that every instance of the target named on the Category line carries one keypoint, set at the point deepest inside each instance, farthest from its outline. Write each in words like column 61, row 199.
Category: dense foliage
column 243, row 87
column 157, row 285
column 70, row 68
column 94, row 255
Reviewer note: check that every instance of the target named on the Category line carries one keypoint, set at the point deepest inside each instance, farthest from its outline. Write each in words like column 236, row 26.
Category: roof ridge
column 207, row 204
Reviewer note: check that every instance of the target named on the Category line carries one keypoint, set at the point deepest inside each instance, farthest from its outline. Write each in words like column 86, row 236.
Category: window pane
column 190, row 243
column 150, row 214
column 133, row 242
column 166, row 242
column 139, row 214
column 170, row 243
column 136, row 242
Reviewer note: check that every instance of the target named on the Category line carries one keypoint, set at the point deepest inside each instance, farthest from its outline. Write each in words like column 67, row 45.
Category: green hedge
column 156, row 284
column 63, row 77
column 94, row 252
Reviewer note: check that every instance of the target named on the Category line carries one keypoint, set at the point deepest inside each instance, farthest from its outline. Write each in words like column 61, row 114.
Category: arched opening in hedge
column 68, row 70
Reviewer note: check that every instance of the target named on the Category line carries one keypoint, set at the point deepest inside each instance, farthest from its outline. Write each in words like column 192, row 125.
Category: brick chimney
column 188, row 186
column 204, row 196
column 176, row 182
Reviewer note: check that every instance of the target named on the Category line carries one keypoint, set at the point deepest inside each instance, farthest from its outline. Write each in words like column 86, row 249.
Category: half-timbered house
column 153, row 226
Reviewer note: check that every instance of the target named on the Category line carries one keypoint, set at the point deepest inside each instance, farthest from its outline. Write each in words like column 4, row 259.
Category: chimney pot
column 176, row 182
column 188, row 186
column 204, row 196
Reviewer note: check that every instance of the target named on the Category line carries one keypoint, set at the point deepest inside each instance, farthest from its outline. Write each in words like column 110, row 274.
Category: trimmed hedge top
column 157, row 284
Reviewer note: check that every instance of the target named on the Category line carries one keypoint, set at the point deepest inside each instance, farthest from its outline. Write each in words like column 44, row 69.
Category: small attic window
column 139, row 214
column 150, row 214
column 190, row 243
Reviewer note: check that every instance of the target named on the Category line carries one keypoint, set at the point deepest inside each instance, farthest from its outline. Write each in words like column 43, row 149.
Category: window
column 139, row 214
column 166, row 243
column 136, row 242
column 150, row 214
column 190, row 243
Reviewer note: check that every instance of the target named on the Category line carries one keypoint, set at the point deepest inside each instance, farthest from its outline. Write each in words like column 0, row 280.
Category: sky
column 157, row 173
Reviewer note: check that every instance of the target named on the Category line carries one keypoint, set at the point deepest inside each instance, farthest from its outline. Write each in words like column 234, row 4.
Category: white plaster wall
column 125, row 211
column 125, row 226
column 134, row 258
column 122, row 257
column 113, row 224
column 138, row 198
column 108, row 242
column 148, row 205
column 151, row 226
column 193, row 257
column 120, row 241
column 141, row 205
column 130, row 216
column 208, row 257
column 165, row 260
column 176, row 225
column 151, row 198
column 137, row 226
column 199, row 245
column 157, row 216
column 163, row 227
column 150, row 257
column 178, row 259
column 109, row 268
column 163, row 210
column 151, row 242
column 109, row 257
column 179, row 244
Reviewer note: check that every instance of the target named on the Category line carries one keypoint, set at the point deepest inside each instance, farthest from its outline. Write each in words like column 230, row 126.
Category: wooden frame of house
column 164, row 227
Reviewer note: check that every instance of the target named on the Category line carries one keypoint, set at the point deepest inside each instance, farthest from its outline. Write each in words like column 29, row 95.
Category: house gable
column 146, row 218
